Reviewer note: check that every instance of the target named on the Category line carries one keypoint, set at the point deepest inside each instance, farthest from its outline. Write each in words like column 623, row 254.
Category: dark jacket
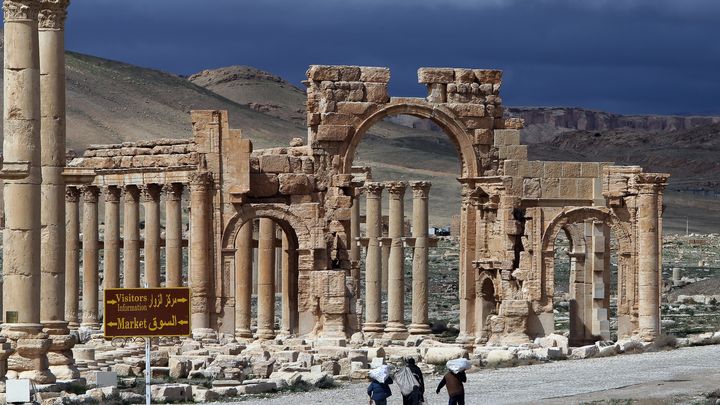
column 418, row 374
column 378, row 391
column 454, row 383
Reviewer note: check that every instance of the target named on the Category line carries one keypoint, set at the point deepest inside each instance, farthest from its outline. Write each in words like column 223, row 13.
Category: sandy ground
column 653, row 378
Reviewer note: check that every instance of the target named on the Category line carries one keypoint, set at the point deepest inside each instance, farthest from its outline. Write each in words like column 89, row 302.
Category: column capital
column 150, row 192
column 52, row 14
column 90, row 194
column 112, row 194
column 420, row 189
column 374, row 189
column 173, row 191
column 20, row 10
column 130, row 193
column 651, row 183
column 72, row 194
column 396, row 189
column 200, row 181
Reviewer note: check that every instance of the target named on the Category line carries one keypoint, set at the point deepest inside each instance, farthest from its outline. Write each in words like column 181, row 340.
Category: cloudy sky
column 626, row 56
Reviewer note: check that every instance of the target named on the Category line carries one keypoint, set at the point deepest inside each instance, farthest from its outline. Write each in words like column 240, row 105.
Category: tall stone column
column 52, row 160
column 355, row 227
column 289, row 289
column 200, row 261
column 373, row 262
column 21, row 193
column 131, row 237
column 649, row 267
column 151, row 206
column 90, row 258
column 72, row 256
column 243, row 280
column 111, row 243
column 395, row 328
column 266, row 280
column 173, row 234
column 420, row 324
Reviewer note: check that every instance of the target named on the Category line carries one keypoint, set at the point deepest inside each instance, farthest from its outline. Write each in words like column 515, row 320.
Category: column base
column 207, row 335
column 373, row 329
column 265, row 334
column 29, row 352
column 243, row 333
column 73, row 325
column 395, row 331
column 60, row 356
column 419, row 329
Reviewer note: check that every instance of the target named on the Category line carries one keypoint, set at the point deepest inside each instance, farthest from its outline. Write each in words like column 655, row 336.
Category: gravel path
column 658, row 375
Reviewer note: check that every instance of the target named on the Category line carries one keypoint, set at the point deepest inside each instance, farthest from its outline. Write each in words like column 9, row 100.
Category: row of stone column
column 266, row 281
column 132, row 196
column 395, row 327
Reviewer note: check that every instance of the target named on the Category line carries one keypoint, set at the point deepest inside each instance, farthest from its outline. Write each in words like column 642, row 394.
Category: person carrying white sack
column 454, row 380
column 379, row 388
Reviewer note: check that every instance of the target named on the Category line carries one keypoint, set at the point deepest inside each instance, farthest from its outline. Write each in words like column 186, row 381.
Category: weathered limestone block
column 200, row 394
column 501, row 358
column 464, row 75
column 441, row 354
column 334, row 133
column 320, row 73
column 171, row 392
column 256, row 388
column 291, row 378
column 553, row 340
column 584, row 352
column 263, row 185
column 436, row 75
column 374, row 74
column 291, row 183
column 376, row 93
column 531, row 188
column 274, row 164
column 488, row 76
column 468, row 110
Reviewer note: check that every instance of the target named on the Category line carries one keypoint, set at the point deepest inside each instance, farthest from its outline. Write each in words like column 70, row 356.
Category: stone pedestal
column 151, row 206
column 243, row 280
column 131, row 237
column 420, row 324
column 173, row 234
column 373, row 262
column 266, row 280
column 60, row 355
column 29, row 358
column 395, row 328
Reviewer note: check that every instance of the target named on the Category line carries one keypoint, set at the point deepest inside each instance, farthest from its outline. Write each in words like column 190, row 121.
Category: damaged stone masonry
column 304, row 199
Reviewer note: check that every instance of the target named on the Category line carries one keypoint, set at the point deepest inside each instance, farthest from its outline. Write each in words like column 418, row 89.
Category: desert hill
column 111, row 102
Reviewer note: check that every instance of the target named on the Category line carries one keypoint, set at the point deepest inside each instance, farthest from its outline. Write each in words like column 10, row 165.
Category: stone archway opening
column 487, row 306
column 266, row 279
column 384, row 149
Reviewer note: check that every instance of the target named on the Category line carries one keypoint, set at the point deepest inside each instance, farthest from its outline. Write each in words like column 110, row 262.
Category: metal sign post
column 147, row 313
column 147, row 371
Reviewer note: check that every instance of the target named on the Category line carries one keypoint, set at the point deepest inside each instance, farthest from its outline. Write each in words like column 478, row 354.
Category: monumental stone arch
column 215, row 186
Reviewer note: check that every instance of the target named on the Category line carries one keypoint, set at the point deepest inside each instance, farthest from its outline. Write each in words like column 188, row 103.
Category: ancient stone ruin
column 296, row 211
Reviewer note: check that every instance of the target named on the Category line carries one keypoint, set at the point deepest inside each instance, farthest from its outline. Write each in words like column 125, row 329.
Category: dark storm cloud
column 633, row 56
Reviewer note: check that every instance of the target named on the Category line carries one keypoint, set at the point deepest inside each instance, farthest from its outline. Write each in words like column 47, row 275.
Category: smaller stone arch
column 626, row 269
column 290, row 223
column 420, row 108
column 487, row 301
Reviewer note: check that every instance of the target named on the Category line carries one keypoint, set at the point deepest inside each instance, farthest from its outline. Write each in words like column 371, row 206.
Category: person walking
column 379, row 391
column 417, row 396
column 455, row 389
